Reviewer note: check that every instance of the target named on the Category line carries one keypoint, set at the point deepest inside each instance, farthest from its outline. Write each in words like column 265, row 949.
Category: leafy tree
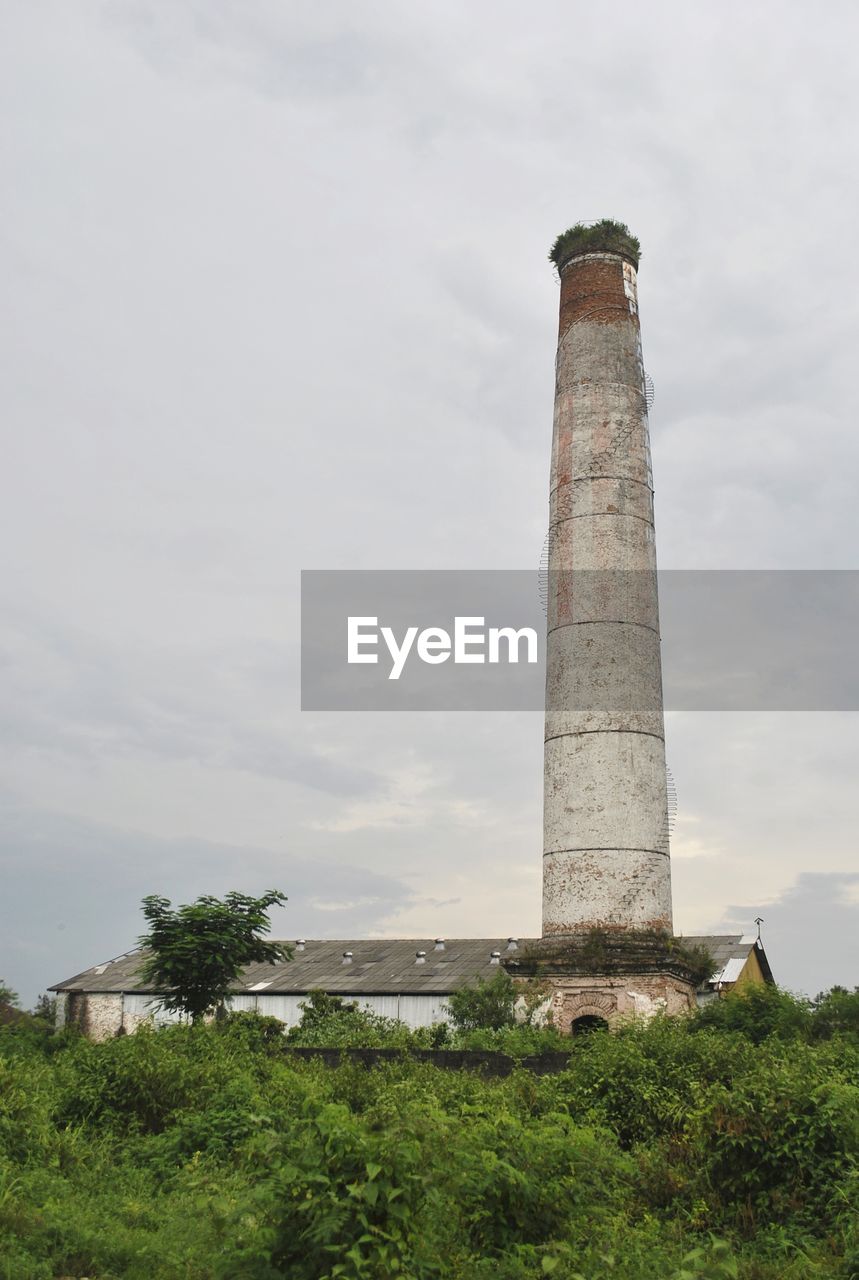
column 320, row 1006
column 7, row 995
column 835, row 1012
column 487, row 1006
column 758, row 1011
column 46, row 1007
column 332, row 1022
column 199, row 949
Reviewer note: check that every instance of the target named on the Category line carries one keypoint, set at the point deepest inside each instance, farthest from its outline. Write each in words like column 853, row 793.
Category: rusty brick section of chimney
column 605, row 863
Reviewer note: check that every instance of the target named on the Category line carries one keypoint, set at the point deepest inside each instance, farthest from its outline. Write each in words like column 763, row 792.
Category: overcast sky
column 275, row 296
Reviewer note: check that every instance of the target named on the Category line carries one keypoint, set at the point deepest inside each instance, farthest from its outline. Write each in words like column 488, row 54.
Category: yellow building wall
column 750, row 973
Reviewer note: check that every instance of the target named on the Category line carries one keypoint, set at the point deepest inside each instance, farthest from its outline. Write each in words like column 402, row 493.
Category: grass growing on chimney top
column 605, row 236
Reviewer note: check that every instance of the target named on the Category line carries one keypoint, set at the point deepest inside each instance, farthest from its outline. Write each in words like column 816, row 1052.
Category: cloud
column 277, row 298
column 78, row 694
column 73, row 890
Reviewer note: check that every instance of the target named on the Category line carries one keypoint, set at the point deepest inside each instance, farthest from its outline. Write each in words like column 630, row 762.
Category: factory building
column 409, row 979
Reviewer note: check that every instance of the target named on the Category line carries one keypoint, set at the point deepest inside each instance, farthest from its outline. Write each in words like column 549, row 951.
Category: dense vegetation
column 605, row 236
column 724, row 1145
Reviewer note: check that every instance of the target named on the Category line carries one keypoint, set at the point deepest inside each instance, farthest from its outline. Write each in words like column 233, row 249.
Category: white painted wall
column 108, row 1012
column 414, row 1010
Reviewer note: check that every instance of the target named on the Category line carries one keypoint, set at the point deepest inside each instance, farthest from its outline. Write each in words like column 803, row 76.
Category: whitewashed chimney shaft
column 605, row 862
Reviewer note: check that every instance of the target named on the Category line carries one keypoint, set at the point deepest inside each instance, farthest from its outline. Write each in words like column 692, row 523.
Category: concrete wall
column 605, row 855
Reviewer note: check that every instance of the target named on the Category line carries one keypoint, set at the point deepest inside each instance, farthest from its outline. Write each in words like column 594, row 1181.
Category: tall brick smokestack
column 605, row 862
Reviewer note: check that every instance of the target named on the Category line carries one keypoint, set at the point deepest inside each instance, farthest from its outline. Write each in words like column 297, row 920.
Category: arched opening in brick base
column 587, row 1024
column 595, row 1008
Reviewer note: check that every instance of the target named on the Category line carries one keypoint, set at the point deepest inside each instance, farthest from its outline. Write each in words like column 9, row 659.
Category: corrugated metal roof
column 730, row 951
column 731, row 971
column 378, row 966
column 721, row 946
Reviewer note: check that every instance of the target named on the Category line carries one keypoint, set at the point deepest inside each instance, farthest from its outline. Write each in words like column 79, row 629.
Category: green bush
column 26, row 1094
column 780, row 1142
column 644, row 1082
column 692, row 1149
column 486, row 1006
column 254, row 1030
column 135, row 1083
column 758, row 1012
column 329, row 1022
column 836, row 1012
